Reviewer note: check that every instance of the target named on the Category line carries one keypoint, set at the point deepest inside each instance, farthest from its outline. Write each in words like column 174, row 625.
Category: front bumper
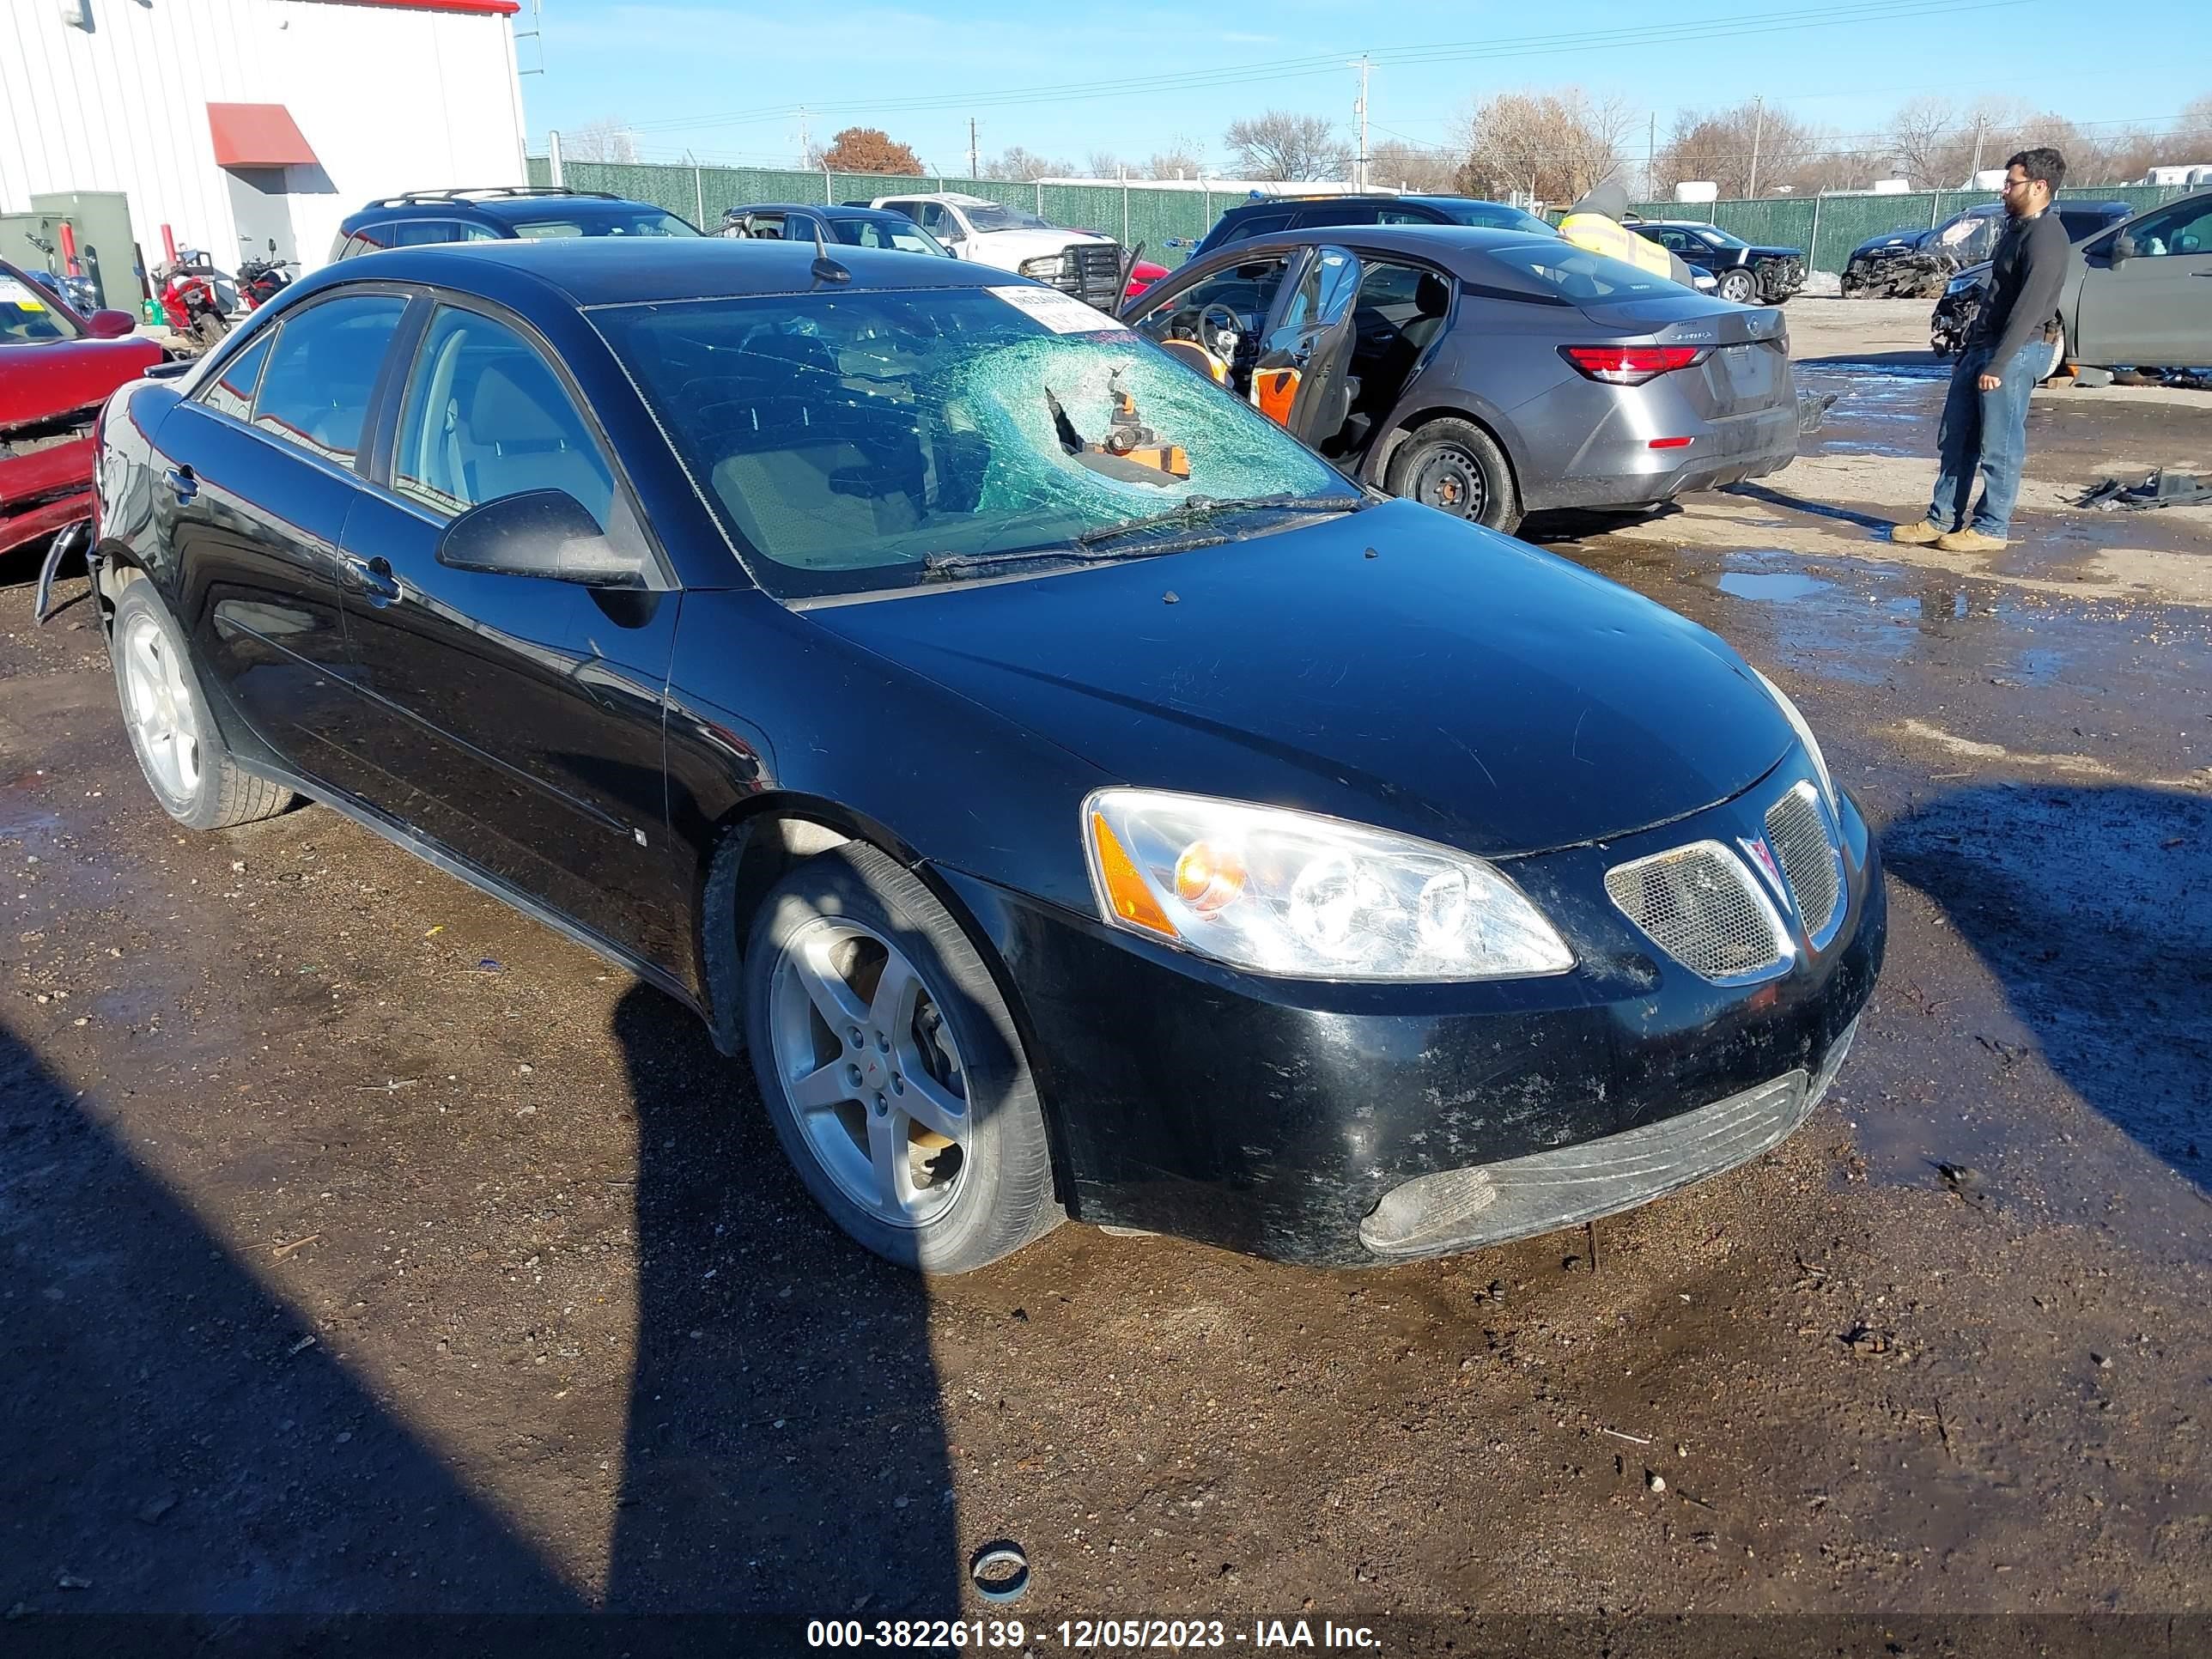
column 43, row 491
column 1279, row 1118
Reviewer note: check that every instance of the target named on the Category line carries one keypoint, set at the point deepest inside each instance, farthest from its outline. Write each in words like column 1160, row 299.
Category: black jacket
column 2025, row 278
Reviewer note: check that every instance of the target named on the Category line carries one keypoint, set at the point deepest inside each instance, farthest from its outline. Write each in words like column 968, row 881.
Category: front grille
column 1797, row 825
column 1702, row 907
column 1091, row 271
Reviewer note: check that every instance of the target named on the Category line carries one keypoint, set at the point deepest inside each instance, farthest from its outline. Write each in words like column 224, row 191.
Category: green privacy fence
column 1831, row 226
column 702, row 194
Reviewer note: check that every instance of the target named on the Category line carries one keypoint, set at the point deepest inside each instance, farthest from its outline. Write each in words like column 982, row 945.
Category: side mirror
column 111, row 325
column 2123, row 247
column 542, row 532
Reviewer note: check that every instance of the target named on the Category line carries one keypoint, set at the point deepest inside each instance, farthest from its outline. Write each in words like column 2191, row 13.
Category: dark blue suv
column 499, row 213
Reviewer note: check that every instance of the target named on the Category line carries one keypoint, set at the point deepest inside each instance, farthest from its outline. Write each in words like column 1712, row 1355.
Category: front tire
column 1739, row 286
column 1456, row 467
column 891, row 1067
column 186, row 763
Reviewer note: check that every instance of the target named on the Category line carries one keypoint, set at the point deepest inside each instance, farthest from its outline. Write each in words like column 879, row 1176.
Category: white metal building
column 240, row 122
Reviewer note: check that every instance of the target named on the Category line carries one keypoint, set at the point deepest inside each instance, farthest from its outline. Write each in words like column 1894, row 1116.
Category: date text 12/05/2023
column 1084, row 1635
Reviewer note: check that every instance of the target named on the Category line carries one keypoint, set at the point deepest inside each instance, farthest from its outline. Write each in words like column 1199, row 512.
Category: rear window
column 1493, row 216
column 1559, row 270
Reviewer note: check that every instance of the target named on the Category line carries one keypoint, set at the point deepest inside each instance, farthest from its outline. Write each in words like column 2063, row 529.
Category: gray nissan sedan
column 1488, row 373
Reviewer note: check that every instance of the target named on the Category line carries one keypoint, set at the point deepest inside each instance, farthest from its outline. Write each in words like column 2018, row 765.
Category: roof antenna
column 827, row 270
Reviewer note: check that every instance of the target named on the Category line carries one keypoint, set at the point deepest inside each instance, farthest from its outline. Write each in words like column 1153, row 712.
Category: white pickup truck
column 1078, row 262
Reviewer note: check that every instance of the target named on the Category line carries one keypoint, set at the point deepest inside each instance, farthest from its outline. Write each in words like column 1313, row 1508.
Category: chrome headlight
column 1963, row 285
column 1045, row 266
column 1811, row 743
column 1291, row 893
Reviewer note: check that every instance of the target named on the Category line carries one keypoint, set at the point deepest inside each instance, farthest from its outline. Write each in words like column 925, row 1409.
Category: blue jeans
column 1985, row 432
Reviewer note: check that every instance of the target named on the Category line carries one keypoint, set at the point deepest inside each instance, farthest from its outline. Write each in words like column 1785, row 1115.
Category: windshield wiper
column 1200, row 507
column 956, row 567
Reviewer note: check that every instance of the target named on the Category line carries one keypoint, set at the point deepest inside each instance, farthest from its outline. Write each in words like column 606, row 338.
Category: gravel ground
column 373, row 1250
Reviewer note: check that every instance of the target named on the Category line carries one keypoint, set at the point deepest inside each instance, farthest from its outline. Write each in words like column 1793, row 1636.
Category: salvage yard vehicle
column 1250, row 219
column 1741, row 273
column 1074, row 795
column 2131, row 298
column 1486, row 372
column 56, row 367
column 529, row 213
column 1081, row 263
column 854, row 227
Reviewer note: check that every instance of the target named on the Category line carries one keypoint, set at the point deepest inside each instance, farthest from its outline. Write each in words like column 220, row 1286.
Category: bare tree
column 1396, row 165
column 868, row 149
column 606, row 139
column 1725, row 146
column 1553, row 146
column 2195, row 126
column 1016, row 163
column 1286, row 145
column 1182, row 157
column 1103, row 164
column 1921, row 137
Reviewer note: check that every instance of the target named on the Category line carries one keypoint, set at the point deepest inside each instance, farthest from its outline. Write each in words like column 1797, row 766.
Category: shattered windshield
column 865, row 441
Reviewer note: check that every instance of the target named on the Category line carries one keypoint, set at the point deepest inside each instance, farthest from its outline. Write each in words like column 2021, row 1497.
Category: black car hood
column 1777, row 252
column 1895, row 238
column 1455, row 685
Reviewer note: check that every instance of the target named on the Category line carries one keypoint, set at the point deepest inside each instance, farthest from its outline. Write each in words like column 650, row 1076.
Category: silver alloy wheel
column 1739, row 286
column 872, row 1071
column 162, row 724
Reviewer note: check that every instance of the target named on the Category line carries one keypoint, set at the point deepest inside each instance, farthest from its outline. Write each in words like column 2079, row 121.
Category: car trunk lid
column 1745, row 370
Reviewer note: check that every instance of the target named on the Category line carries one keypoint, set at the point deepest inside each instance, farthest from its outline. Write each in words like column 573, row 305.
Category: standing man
column 1984, row 426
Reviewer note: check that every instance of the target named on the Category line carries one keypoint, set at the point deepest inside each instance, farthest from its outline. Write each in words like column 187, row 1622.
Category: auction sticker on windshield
column 19, row 295
column 1063, row 313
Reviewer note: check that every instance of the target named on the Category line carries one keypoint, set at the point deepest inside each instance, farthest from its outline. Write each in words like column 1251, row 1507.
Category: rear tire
column 1456, row 467
column 912, row 1116
column 186, row 763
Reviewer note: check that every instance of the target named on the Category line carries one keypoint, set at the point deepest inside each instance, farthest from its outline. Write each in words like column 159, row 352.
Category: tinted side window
column 423, row 233
column 369, row 238
column 231, row 392
column 315, row 390
column 485, row 416
column 1259, row 224
column 768, row 227
column 1365, row 214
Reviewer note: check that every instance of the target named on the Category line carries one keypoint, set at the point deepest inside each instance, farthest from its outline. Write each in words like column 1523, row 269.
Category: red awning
column 258, row 136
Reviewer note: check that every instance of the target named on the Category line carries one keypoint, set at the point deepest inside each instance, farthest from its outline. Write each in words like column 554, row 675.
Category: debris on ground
column 2164, row 488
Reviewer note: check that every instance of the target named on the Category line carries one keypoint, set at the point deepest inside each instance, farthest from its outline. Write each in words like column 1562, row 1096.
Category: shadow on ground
column 2093, row 906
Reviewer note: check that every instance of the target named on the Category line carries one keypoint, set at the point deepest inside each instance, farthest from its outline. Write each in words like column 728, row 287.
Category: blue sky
column 721, row 80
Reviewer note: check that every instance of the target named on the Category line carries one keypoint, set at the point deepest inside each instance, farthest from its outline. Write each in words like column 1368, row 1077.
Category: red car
column 57, row 369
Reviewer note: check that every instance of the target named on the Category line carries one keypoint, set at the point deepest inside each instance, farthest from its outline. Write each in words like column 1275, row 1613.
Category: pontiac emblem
column 1764, row 858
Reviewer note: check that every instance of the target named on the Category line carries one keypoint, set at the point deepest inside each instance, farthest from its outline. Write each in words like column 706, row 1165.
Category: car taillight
column 1631, row 365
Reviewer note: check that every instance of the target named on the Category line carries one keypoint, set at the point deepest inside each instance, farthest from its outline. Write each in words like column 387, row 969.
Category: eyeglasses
column 2016, row 184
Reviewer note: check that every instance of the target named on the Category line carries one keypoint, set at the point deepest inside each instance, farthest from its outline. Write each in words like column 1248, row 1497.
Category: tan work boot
column 1919, row 533
column 1969, row 541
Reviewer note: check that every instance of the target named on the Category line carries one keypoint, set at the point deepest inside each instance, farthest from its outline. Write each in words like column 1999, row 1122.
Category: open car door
column 1302, row 379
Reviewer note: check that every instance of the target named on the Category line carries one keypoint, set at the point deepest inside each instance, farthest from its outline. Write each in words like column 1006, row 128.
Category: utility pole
column 974, row 171
column 1359, row 109
column 1758, row 131
column 1975, row 169
column 805, row 140
column 1651, row 160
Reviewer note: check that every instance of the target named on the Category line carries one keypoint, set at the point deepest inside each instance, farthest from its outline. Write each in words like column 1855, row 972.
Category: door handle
column 182, row 483
column 372, row 577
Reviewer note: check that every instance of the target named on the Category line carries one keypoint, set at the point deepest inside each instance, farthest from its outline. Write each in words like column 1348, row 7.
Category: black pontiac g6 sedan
column 1075, row 796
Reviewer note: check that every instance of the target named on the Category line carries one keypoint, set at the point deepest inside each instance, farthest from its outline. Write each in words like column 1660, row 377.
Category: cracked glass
column 855, row 441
